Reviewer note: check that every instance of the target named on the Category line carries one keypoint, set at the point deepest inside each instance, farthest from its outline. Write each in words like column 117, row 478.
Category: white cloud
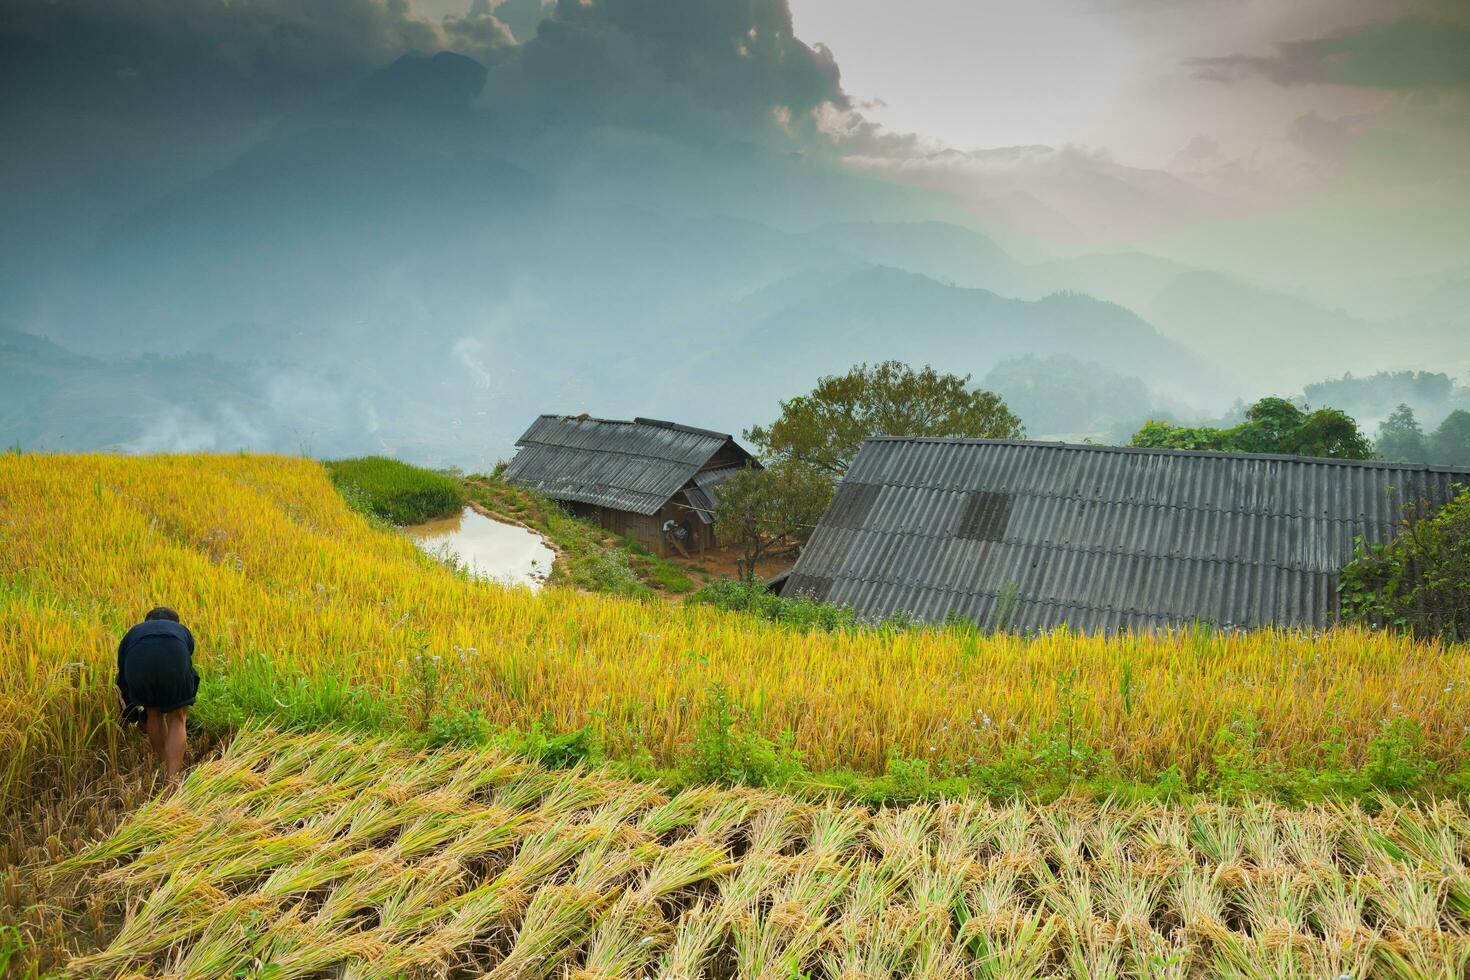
column 469, row 352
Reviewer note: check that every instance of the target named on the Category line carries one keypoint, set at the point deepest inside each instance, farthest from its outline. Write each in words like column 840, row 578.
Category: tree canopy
column 1401, row 438
column 1272, row 425
column 771, row 508
column 1450, row 443
column 1058, row 393
column 825, row 429
column 1419, row 581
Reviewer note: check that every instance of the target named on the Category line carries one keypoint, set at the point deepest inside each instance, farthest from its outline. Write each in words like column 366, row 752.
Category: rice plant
column 327, row 846
column 306, row 614
column 572, row 881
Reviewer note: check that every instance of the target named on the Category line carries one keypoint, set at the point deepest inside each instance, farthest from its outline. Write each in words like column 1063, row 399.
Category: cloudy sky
column 452, row 179
column 1255, row 107
column 1128, row 75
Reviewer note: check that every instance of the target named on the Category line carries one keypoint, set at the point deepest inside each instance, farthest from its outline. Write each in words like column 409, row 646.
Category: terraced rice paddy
column 324, row 856
column 356, row 856
column 277, row 577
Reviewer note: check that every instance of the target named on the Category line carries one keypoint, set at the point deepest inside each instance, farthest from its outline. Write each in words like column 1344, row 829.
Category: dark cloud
column 151, row 56
column 655, row 63
column 1403, row 54
column 661, row 62
column 162, row 63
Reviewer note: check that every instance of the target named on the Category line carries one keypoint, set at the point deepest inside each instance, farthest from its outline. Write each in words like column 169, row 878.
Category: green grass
column 395, row 492
column 753, row 598
column 662, row 575
column 590, row 558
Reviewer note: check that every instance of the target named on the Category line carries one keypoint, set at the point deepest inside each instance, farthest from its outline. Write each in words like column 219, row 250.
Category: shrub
column 460, row 727
column 556, row 750
column 608, row 571
column 1272, row 425
column 726, row 749
column 1419, row 581
column 752, row 596
column 1396, row 760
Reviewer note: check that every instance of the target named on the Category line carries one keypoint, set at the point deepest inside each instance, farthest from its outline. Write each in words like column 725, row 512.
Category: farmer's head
column 161, row 612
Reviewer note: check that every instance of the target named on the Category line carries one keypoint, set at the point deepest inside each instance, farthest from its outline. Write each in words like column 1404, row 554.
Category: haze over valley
column 385, row 227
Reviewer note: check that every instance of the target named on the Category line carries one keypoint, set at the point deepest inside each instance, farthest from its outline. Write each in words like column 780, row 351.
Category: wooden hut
column 649, row 480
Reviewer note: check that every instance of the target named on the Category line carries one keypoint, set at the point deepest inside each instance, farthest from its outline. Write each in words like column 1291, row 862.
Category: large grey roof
column 634, row 466
column 1101, row 537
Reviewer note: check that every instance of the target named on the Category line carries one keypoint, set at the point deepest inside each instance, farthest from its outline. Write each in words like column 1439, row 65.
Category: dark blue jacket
column 150, row 634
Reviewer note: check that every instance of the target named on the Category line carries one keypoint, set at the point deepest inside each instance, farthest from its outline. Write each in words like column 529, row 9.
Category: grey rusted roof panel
column 1101, row 537
column 634, row 466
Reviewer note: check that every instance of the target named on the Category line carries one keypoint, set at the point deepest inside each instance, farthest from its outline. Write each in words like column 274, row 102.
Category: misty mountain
column 54, row 398
column 1227, row 321
column 937, row 249
column 1063, row 397
column 1373, row 397
column 419, row 260
column 394, row 268
column 823, row 322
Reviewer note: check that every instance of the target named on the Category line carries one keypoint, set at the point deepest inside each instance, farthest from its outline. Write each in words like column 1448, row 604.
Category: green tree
column 1272, row 425
column 1400, row 437
column 1450, row 444
column 1167, row 435
column 826, row 428
column 1328, row 432
column 1419, row 581
column 771, row 509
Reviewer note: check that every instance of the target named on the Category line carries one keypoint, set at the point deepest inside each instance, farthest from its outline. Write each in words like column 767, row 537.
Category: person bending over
column 155, row 673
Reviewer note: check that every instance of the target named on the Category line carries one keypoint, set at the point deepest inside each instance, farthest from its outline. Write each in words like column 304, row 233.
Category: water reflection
column 487, row 548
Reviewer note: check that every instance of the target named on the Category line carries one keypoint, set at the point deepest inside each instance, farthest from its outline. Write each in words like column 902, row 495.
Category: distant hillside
column 55, row 400
column 939, row 250
column 1224, row 319
column 1059, row 396
column 385, row 270
column 821, row 323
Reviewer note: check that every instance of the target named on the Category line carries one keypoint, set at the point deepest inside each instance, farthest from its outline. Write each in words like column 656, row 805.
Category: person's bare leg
column 175, row 742
column 157, row 727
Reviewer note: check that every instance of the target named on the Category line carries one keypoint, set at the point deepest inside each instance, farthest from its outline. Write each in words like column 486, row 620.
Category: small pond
column 487, row 548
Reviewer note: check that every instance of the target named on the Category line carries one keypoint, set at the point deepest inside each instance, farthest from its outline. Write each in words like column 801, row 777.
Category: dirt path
column 717, row 563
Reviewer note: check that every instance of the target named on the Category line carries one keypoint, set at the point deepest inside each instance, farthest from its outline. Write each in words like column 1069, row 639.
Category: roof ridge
column 1155, row 451
column 639, row 420
column 680, row 427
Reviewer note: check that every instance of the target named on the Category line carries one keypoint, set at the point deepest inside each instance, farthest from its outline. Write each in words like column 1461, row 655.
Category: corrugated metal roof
column 634, row 466
column 705, row 491
column 1101, row 537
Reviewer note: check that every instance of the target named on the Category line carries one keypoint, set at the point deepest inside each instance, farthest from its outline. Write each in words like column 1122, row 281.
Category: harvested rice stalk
column 695, row 936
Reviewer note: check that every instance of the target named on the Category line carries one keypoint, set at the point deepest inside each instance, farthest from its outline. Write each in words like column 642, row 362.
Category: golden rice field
column 331, row 855
column 324, row 856
column 261, row 557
